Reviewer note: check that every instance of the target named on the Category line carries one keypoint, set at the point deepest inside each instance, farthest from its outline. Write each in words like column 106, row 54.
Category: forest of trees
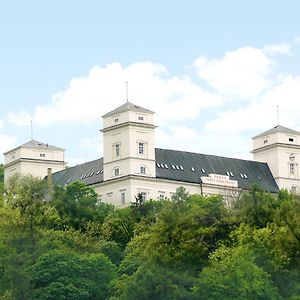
column 64, row 244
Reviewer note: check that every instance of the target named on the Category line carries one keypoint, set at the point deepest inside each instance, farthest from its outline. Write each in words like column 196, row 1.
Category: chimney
column 49, row 178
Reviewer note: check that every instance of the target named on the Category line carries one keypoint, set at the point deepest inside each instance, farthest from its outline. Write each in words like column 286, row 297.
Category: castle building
column 131, row 165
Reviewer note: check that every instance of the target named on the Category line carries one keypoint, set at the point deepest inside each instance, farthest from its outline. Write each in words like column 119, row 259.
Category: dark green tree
column 61, row 275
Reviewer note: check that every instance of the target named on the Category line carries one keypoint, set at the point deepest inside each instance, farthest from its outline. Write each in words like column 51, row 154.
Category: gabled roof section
column 276, row 129
column 190, row 167
column 36, row 145
column 128, row 106
column 90, row 173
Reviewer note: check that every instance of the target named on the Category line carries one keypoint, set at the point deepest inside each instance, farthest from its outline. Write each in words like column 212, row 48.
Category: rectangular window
column 141, row 118
column 123, row 196
column 292, row 168
column 291, row 140
column 116, row 120
column 42, row 155
column 117, row 150
column 265, row 141
column 141, row 148
column 143, row 170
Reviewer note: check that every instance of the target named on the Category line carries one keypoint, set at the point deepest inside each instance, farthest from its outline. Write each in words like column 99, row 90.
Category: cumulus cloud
column 240, row 74
column 87, row 98
column 262, row 113
column 236, row 93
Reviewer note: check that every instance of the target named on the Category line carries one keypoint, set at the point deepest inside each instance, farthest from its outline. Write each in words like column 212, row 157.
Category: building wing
column 190, row 167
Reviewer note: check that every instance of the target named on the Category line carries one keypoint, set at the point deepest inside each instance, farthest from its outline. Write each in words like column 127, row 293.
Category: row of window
column 117, row 171
column 140, row 118
column 290, row 139
column 140, row 147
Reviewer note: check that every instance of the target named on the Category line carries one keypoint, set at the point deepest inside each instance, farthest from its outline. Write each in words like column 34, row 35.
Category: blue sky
column 213, row 71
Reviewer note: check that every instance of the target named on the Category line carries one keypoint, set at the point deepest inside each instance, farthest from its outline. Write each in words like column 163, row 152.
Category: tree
column 233, row 274
column 76, row 204
column 256, row 207
column 66, row 275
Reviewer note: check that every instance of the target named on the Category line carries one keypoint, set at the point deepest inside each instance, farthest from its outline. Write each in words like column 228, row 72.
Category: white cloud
column 87, row 98
column 261, row 114
column 240, row 74
column 245, row 80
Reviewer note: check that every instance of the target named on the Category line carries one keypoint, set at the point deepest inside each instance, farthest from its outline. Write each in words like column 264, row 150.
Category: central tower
column 128, row 142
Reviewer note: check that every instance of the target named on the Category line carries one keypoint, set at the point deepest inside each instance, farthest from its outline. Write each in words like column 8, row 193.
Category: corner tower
column 34, row 158
column 128, row 142
column 279, row 147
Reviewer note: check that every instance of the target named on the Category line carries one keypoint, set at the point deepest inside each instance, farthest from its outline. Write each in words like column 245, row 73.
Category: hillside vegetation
column 64, row 244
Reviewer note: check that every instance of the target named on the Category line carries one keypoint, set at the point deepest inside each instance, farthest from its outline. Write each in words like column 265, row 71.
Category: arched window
column 116, row 172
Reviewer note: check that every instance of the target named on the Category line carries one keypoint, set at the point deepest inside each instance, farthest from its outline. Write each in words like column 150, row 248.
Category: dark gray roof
column 256, row 172
column 37, row 145
column 128, row 107
column 276, row 129
column 90, row 173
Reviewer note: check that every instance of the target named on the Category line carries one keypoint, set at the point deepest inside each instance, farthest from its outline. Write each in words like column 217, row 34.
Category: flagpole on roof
column 126, row 91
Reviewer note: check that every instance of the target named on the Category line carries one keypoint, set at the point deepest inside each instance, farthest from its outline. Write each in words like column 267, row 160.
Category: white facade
column 128, row 144
column 131, row 164
column 280, row 149
column 122, row 191
column 33, row 158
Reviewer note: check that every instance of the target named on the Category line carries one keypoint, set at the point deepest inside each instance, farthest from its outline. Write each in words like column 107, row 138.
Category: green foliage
column 186, row 232
column 233, row 274
column 193, row 247
column 119, row 227
column 77, row 205
column 61, row 275
column 256, row 207
column 152, row 281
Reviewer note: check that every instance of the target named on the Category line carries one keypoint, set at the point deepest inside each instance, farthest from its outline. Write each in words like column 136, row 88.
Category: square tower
column 34, row 158
column 128, row 142
column 279, row 147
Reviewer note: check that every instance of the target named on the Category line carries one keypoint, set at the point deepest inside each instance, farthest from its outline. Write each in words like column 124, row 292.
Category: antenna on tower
column 127, row 91
column 31, row 130
column 277, row 115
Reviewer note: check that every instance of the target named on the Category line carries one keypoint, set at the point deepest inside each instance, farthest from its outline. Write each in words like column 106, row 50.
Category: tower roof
column 36, row 145
column 278, row 129
column 127, row 107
